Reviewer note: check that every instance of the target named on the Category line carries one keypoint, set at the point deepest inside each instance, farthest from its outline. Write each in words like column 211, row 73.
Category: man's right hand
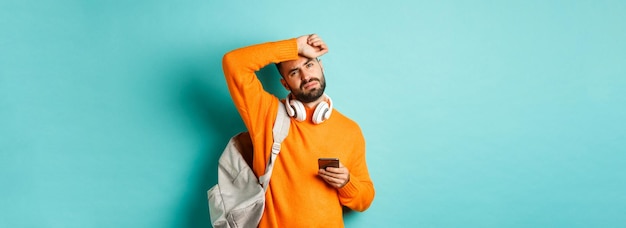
column 311, row 46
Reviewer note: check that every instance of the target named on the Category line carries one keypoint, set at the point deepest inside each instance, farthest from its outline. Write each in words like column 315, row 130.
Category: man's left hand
column 336, row 177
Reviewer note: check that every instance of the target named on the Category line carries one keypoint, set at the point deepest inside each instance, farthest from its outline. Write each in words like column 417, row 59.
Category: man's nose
column 305, row 75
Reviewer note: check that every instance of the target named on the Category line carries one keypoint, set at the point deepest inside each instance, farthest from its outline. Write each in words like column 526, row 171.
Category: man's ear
column 284, row 83
column 321, row 65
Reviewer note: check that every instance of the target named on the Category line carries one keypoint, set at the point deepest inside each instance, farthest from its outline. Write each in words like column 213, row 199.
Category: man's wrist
column 301, row 42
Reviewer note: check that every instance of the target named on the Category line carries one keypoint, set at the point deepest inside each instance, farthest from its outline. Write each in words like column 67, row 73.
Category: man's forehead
column 295, row 63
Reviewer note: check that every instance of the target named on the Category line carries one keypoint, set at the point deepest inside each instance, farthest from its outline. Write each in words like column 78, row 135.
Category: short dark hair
column 278, row 65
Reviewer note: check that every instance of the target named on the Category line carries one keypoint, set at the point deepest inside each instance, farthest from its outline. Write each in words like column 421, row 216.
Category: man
column 300, row 194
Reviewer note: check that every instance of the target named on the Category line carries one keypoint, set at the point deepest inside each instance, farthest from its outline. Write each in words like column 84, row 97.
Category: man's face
column 304, row 77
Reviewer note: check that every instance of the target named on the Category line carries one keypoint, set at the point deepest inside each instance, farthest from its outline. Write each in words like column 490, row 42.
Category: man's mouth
column 310, row 84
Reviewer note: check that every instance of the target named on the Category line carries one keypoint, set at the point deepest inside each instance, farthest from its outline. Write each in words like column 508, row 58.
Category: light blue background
column 476, row 113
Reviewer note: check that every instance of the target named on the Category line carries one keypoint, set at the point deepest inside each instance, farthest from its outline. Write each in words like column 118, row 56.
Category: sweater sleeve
column 358, row 193
column 252, row 101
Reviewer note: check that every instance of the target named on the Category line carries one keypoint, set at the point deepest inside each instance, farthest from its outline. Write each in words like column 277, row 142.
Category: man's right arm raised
column 240, row 67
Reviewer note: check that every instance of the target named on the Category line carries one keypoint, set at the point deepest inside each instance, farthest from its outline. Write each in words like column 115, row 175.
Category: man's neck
column 314, row 103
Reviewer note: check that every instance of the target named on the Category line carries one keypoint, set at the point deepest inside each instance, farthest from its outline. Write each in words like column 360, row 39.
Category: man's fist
column 311, row 46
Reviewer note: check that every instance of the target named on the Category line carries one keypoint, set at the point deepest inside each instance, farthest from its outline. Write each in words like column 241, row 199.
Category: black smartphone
column 322, row 163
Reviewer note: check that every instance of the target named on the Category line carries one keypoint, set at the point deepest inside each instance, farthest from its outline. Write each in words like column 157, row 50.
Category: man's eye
column 309, row 65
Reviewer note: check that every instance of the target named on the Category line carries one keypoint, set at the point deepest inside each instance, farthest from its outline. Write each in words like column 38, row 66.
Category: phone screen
column 322, row 163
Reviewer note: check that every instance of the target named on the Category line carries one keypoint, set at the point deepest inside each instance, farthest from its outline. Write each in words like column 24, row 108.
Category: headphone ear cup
column 322, row 112
column 290, row 111
column 330, row 108
column 299, row 111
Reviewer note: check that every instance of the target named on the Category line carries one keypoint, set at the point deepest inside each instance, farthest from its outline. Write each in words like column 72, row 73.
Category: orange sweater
column 296, row 196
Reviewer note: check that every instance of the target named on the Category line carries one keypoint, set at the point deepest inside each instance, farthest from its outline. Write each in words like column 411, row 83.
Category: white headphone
column 296, row 109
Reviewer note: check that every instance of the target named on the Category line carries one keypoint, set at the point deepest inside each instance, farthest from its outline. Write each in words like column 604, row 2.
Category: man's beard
column 313, row 95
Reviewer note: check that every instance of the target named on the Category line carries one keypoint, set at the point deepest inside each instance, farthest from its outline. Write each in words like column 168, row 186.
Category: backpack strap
column 279, row 133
